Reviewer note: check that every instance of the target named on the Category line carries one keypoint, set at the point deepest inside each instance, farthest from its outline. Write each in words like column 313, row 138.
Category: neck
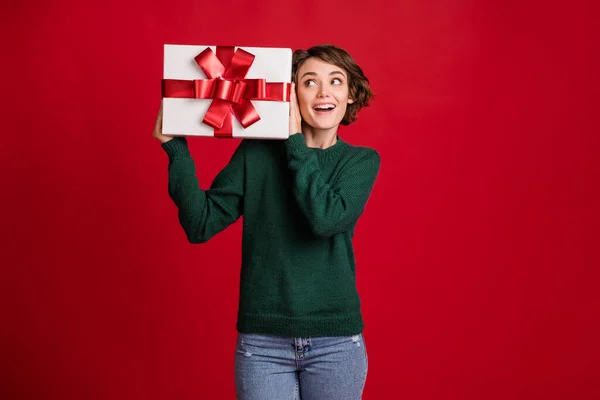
column 319, row 138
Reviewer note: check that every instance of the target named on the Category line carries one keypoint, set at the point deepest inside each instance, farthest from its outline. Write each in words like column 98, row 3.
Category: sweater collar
column 332, row 151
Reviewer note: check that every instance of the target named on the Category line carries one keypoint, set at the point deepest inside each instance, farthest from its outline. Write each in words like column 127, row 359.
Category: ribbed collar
column 332, row 152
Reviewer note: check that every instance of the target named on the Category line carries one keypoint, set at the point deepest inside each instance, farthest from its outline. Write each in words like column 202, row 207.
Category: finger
column 296, row 106
column 159, row 117
column 293, row 100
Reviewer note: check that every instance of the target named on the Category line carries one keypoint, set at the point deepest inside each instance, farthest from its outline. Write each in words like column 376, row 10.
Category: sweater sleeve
column 331, row 207
column 204, row 213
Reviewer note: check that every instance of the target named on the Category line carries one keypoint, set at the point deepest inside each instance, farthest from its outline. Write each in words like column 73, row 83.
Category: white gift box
column 184, row 116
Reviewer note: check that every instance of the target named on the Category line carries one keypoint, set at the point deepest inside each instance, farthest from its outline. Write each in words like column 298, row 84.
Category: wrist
column 176, row 147
column 296, row 145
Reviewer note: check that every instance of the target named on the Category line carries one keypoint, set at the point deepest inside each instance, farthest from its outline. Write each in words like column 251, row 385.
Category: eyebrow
column 331, row 73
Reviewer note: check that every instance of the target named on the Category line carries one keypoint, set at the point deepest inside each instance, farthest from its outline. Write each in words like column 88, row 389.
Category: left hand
column 295, row 117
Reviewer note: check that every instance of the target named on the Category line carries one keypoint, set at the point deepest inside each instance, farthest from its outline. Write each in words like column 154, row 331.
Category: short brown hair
column 358, row 84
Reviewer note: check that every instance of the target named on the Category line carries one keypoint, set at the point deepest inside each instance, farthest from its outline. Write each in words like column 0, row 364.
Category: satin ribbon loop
column 204, row 88
column 222, row 89
column 240, row 64
column 217, row 113
column 245, row 113
column 237, row 94
column 210, row 64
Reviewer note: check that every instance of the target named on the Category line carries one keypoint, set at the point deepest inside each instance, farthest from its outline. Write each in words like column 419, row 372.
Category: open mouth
column 324, row 108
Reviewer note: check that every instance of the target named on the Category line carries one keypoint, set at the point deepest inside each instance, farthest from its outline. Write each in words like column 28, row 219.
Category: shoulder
column 362, row 154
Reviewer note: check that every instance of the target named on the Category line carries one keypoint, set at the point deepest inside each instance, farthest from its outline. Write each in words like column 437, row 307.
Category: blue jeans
column 319, row 368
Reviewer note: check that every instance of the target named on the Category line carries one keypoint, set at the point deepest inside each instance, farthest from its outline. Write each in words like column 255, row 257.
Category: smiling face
column 322, row 94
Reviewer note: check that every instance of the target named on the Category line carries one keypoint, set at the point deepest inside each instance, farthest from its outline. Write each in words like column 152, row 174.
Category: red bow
column 227, row 87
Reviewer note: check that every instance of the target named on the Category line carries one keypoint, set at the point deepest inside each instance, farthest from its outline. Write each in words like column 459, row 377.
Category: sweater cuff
column 176, row 148
column 296, row 144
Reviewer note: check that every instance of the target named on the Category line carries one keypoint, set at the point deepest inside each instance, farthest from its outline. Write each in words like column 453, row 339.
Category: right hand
column 158, row 128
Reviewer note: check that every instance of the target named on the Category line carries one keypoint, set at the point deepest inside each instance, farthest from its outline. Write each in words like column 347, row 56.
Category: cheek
column 343, row 95
column 302, row 101
column 347, row 94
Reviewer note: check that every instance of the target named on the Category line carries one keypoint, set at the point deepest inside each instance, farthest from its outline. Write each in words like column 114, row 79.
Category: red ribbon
column 227, row 87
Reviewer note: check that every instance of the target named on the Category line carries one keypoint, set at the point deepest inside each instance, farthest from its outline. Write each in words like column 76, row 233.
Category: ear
column 351, row 95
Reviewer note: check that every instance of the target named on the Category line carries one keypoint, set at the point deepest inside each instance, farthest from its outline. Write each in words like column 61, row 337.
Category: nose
column 323, row 91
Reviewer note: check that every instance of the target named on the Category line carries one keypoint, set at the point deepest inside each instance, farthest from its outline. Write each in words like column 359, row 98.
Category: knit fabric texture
column 300, row 206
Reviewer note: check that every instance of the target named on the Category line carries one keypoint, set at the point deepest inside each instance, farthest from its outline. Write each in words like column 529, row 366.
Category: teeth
column 324, row 107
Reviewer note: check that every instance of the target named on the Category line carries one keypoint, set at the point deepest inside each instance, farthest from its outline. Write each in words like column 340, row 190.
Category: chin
column 323, row 125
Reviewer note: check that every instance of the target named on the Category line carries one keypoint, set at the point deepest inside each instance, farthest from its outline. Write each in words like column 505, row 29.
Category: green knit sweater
column 299, row 206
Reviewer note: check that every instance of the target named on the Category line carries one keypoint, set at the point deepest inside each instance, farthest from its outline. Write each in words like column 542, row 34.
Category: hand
column 295, row 117
column 158, row 128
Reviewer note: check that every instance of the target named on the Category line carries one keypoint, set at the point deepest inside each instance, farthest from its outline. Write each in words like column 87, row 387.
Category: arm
column 331, row 208
column 204, row 213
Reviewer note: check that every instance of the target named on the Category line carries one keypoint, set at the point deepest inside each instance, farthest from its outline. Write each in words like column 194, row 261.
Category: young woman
column 299, row 318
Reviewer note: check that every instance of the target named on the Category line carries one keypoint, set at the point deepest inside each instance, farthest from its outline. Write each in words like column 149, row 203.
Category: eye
column 336, row 81
column 310, row 82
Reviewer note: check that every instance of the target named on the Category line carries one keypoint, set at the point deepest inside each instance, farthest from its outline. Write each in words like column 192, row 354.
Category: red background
column 477, row 259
